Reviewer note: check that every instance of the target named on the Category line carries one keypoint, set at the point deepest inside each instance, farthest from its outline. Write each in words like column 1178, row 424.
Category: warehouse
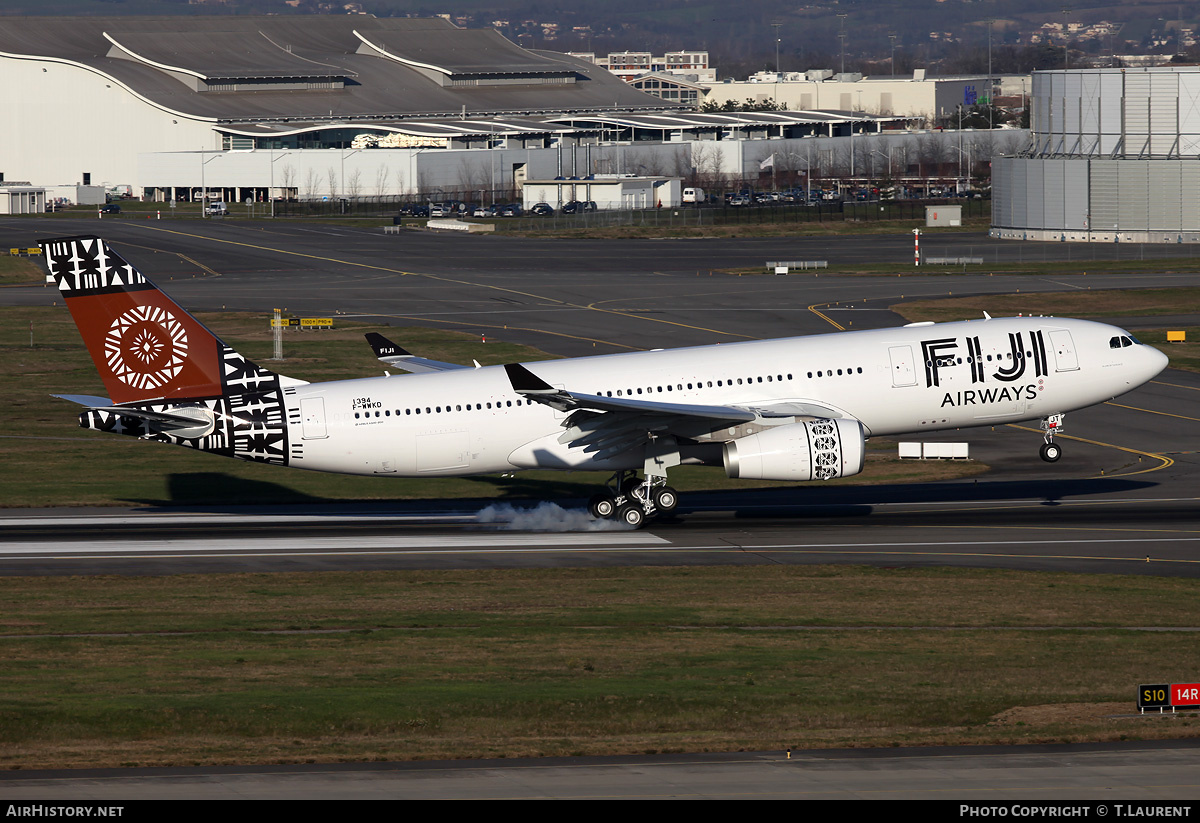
column 94, row 93
column 1114, row 157
column 256, row 109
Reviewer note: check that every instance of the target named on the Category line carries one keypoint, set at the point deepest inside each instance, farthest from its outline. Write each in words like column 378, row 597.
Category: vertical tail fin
column 145, row 346
column 156, row 358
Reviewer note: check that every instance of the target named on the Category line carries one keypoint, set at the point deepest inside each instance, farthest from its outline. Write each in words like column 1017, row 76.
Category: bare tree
column 382, row 174
column 311, row 182
column 706, row 160
column 332, row 177
column 354, row 184
column 288, row 176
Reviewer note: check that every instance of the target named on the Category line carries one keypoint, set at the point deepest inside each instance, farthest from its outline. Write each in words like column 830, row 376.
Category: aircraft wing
column 526, row 383
column 606, row 426
column 394, row 355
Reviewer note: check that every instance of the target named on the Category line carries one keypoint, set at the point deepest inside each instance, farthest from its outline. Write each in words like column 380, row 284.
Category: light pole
column 892, row 37
column 991, row 85
column 776, row 26
column 889, row 159
column 204, row 184
column 1066, row 40
column 842, row 38
column 270, row 194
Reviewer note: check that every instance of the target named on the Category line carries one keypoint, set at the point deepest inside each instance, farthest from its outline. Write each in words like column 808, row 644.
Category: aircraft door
column 903, row 373
column 1065, row 358
column 312, row 410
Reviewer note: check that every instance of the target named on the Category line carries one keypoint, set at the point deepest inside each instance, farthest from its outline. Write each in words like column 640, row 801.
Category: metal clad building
column 1114, row 156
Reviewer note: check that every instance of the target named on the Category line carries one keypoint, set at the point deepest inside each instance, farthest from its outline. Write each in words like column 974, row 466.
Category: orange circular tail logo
column 146, row 347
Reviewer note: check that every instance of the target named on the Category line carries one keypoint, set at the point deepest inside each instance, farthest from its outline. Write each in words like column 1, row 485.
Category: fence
column 770, row 213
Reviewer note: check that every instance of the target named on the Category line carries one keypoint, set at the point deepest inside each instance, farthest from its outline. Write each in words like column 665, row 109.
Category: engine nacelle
column 810, row 450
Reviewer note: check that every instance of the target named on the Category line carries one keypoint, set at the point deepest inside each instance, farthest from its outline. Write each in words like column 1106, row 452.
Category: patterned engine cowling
column 810, row 450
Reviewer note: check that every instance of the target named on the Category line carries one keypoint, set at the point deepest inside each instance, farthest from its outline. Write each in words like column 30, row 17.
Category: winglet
column 526, row 382
column 384, row 347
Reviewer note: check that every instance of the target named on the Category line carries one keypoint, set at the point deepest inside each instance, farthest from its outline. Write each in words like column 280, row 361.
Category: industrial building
column 251, row 109
column 1114, row 157
column 916, row 97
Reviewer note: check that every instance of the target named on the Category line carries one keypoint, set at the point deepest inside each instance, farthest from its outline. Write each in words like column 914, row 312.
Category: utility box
column 943, row 216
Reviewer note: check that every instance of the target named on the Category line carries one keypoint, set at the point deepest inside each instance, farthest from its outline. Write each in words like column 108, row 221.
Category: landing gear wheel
column 601, row 506
column 634, row 489
column 666, row 499
column 632, row 515
column 1050, row 452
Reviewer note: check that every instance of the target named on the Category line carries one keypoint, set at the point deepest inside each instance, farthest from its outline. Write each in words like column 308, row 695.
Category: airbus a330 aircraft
column 795, row 409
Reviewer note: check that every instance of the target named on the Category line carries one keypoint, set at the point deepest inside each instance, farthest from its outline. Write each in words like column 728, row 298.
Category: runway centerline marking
column 504, row 542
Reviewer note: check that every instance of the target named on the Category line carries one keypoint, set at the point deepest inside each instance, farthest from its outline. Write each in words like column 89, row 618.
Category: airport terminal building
column 315, row 107
column 1114, row 157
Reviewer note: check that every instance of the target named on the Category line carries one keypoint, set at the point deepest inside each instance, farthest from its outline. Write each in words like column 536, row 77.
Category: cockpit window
column 1114, row 343
column 1135, row 340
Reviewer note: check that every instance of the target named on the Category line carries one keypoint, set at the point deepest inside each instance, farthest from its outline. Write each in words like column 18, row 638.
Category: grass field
column 19, row 270
column 107, row 671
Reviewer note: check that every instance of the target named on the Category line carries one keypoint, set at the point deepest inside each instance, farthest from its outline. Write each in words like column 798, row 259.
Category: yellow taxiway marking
column 813, row 308
column 1166, row 461
column 1175, row 385
column 1152, row 411
column 443, row 279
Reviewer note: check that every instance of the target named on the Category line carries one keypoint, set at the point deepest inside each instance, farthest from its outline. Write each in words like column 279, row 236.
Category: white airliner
column 795, row 409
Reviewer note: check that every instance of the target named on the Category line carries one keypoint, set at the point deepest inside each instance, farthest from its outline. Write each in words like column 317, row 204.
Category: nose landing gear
column 1052, row 425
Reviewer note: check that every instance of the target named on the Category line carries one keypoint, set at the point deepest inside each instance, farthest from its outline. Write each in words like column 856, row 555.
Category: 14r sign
column 1173, row 696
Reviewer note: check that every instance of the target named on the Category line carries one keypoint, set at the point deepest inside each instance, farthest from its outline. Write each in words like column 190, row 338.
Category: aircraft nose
column 1157, row 362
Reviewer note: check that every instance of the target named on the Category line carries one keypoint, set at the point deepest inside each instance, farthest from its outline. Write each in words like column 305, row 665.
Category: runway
column 1124, row 493
column 1090, row 775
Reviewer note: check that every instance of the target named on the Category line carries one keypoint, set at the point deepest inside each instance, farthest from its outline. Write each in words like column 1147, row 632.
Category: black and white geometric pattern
column 82, row 266
column 147, row 346
column 826, row 449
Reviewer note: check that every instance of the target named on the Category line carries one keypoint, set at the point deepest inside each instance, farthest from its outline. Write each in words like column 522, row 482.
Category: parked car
column 579, row 206
column 739, row 200
column 110, row 208
column 512, row 210
column 541, row 210
column 484, row 211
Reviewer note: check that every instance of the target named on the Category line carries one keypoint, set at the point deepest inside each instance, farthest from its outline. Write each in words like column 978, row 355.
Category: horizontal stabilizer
column 395, row 355
column 84, row 399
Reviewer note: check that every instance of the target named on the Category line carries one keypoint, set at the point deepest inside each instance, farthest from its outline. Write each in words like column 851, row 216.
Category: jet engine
column 808, row 450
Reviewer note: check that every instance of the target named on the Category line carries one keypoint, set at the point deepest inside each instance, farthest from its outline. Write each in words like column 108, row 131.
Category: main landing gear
column 633, row 501
column 1052, row 425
